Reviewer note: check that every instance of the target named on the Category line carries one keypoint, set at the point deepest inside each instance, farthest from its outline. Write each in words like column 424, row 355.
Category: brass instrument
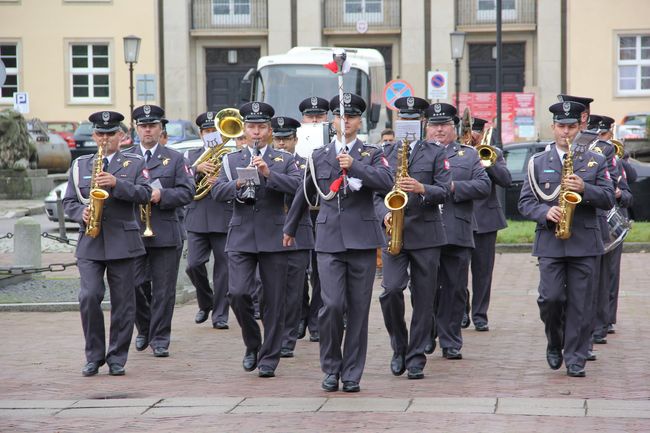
column 466, row 128
column 145, row 216
column 249, row 195
column 620, row 148
column 97, row 196
column 229, row 124
column 485, row 151
column 568, row 200
column 396, row 201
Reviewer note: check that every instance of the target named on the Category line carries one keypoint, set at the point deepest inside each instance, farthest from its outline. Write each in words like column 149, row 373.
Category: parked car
column 633, row 126
column 52, row 152
column 518, row 154
column 65, row 130
column 50, row 203
column 84, row 143
column 190, row 145
column 178, row 130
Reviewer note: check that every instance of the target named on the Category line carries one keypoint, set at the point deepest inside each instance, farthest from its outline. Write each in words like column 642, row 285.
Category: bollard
column 60, row 215
column 27, row 243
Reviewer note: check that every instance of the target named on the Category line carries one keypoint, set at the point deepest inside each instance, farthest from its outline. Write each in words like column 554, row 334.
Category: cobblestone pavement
column 502, row 384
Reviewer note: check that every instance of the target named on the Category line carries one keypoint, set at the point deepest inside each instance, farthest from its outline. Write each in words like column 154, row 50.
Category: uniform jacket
column 206, row 215
column 586, row 239
column 258, row 228
column 348, row 221
column 170, row 168
column 488, row 213
column 119, row 237
column 422, row 219
column 471, row 182
column 305, row 231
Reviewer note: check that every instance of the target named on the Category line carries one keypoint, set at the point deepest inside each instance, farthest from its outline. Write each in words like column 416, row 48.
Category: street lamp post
column 131, row 52
column 457, row 48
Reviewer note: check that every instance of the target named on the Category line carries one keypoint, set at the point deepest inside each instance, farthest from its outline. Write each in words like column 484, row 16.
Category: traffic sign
column 437, row 87
column 21, row 102
column 394, row 90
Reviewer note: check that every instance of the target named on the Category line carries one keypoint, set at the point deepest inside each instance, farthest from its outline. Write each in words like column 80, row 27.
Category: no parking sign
column 394, row 90
column 437, row 85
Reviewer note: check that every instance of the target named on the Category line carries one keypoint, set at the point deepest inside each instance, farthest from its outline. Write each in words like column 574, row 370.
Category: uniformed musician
column 567, row 267
column 347, row 173
column 113, row 251
column 427, row 185
column 206, row 222
column 255, row 234
column 284, row 138
column 173, row 187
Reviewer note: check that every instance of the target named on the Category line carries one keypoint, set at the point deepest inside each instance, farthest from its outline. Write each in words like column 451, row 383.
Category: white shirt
column 261, row 149
column 339, row 144
column 560, row 153
column 152, row 150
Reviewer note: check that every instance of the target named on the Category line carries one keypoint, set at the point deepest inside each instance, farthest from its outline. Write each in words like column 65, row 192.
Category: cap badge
column 566, row 107
column 437, row 108
column 347, row 98
column 147, row 110
column 280, row 122
column 410, row 102
column 106, row 116
column 314, row 102
column 256, row 107
column 209, row 115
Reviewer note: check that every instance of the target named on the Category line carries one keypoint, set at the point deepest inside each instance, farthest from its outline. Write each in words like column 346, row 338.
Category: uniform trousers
column 119, row 274
column 614, row 281
column 423, row 269
column 346, row 286
column 241, row 277
column 452, row 295
column 482, row 265
column 310, row 307
column 199, row 248
column 601, row 309
column 565, row 301
column 160, row 264
column 297, row 268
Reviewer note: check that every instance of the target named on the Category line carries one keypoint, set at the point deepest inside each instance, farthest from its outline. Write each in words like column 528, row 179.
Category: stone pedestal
column 27, row 243
column 24, row 184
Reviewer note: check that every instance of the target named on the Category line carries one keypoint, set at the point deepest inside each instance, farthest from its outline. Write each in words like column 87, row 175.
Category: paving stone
column 201, row 401
column 618, row 413
column 25, row 413
column 35, row 404
column 541, row 406
column 258, row 405
column 365, row 404
column 601, row 404
column 169, row 411
column 116, row 402
column 457, row 405
column 102, row 412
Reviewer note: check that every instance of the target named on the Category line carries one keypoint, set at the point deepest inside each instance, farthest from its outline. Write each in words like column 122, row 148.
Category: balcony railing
column 226, row 15
column 480, row 14
column 361, row 16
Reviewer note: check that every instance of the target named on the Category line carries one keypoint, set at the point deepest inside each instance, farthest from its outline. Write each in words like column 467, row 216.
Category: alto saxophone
column 396, row 201
column 97, row 196
column 568, row 200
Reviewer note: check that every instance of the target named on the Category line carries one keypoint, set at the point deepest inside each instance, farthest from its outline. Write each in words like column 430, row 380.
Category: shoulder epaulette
column 90, row 155
column 374, row 146
column 132, row 155
column 465, row 145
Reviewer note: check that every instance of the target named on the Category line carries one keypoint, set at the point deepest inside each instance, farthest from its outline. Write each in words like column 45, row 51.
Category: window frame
column 9, row 100
column 232, row 18
column 490, row 15
column 369, row 17
column 89, row 71
column 637, row 62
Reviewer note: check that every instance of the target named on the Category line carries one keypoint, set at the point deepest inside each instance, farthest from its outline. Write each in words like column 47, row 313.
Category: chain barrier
column 68, row 241
column 7, row 236
column 19, row 270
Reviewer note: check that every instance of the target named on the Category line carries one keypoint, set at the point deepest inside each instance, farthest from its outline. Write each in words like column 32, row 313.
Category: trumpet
column 487, row 155
column 249, row 194
column 145, row 216
column 620, row 148
column 97, row 196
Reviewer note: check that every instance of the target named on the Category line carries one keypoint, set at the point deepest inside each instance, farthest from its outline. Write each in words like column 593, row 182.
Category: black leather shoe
column 285, row 352
column 330, row 382
column 452, row 353
column 591, row 356
column 250, row 360
column 91, row 368
column 201, row 316
column 430, row 347
column 116, row 370
column 554, row 358
column 481, row 327
column 465, row 322
column 599, row 340
column 574, row 370
column 266, row 372
column 220, row 325
column 397, row 364
column 351, row 386
column 314, row 337
column 141, row 342
column 610, row 329
column 160, row 352
column 415, row 373
column 302, row 329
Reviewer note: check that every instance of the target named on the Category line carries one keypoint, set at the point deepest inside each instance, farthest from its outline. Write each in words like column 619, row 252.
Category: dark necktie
column 105, row 164
column 147, row 156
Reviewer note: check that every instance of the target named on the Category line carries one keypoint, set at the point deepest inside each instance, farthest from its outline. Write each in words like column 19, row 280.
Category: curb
column 628, row 247
column 14, row 213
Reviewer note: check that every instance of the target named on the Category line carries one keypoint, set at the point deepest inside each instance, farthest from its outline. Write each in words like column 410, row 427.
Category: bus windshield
column 285, row 86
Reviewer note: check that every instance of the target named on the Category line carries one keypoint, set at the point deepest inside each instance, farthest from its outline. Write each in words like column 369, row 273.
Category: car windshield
column 285, row 86
column 174, row 129
column 84, row 129
column 61, row 127
column 515, row 159
column 636, row 119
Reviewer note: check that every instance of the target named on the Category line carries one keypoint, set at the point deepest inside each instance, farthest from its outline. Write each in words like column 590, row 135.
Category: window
column 486, row 10
column 634, row 65
column 367, row 10
column 90, row 73
column 9, row 56
column 515, row 159
column 231, row 12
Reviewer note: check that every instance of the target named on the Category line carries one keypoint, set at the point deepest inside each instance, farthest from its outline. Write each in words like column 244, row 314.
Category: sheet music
column 249, row 174
column 412, row 128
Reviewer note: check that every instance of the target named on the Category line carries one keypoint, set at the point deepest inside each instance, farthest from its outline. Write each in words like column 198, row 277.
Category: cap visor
column 566, row 121
column 106, row 128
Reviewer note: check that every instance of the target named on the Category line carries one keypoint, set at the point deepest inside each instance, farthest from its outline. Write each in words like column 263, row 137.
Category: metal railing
column 482, row 13
column 229, row 15
column 352, row 16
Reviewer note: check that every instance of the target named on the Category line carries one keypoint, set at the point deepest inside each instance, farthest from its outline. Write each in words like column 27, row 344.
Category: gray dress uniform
column 298, row 264
column 207, row 222
column 112, row 252
column 255, row 238
column 470, row 182
column 567, row 267
column 347, row 236
column 490, row 218
column 160, row 264
column 423, row 235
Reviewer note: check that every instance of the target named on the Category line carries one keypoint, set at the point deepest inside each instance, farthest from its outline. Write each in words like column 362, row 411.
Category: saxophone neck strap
column 541, row 196
column 75, row 181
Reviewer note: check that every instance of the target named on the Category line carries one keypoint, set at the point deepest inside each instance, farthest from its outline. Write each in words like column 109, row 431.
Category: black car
column 83, row 138
column 518, row 154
